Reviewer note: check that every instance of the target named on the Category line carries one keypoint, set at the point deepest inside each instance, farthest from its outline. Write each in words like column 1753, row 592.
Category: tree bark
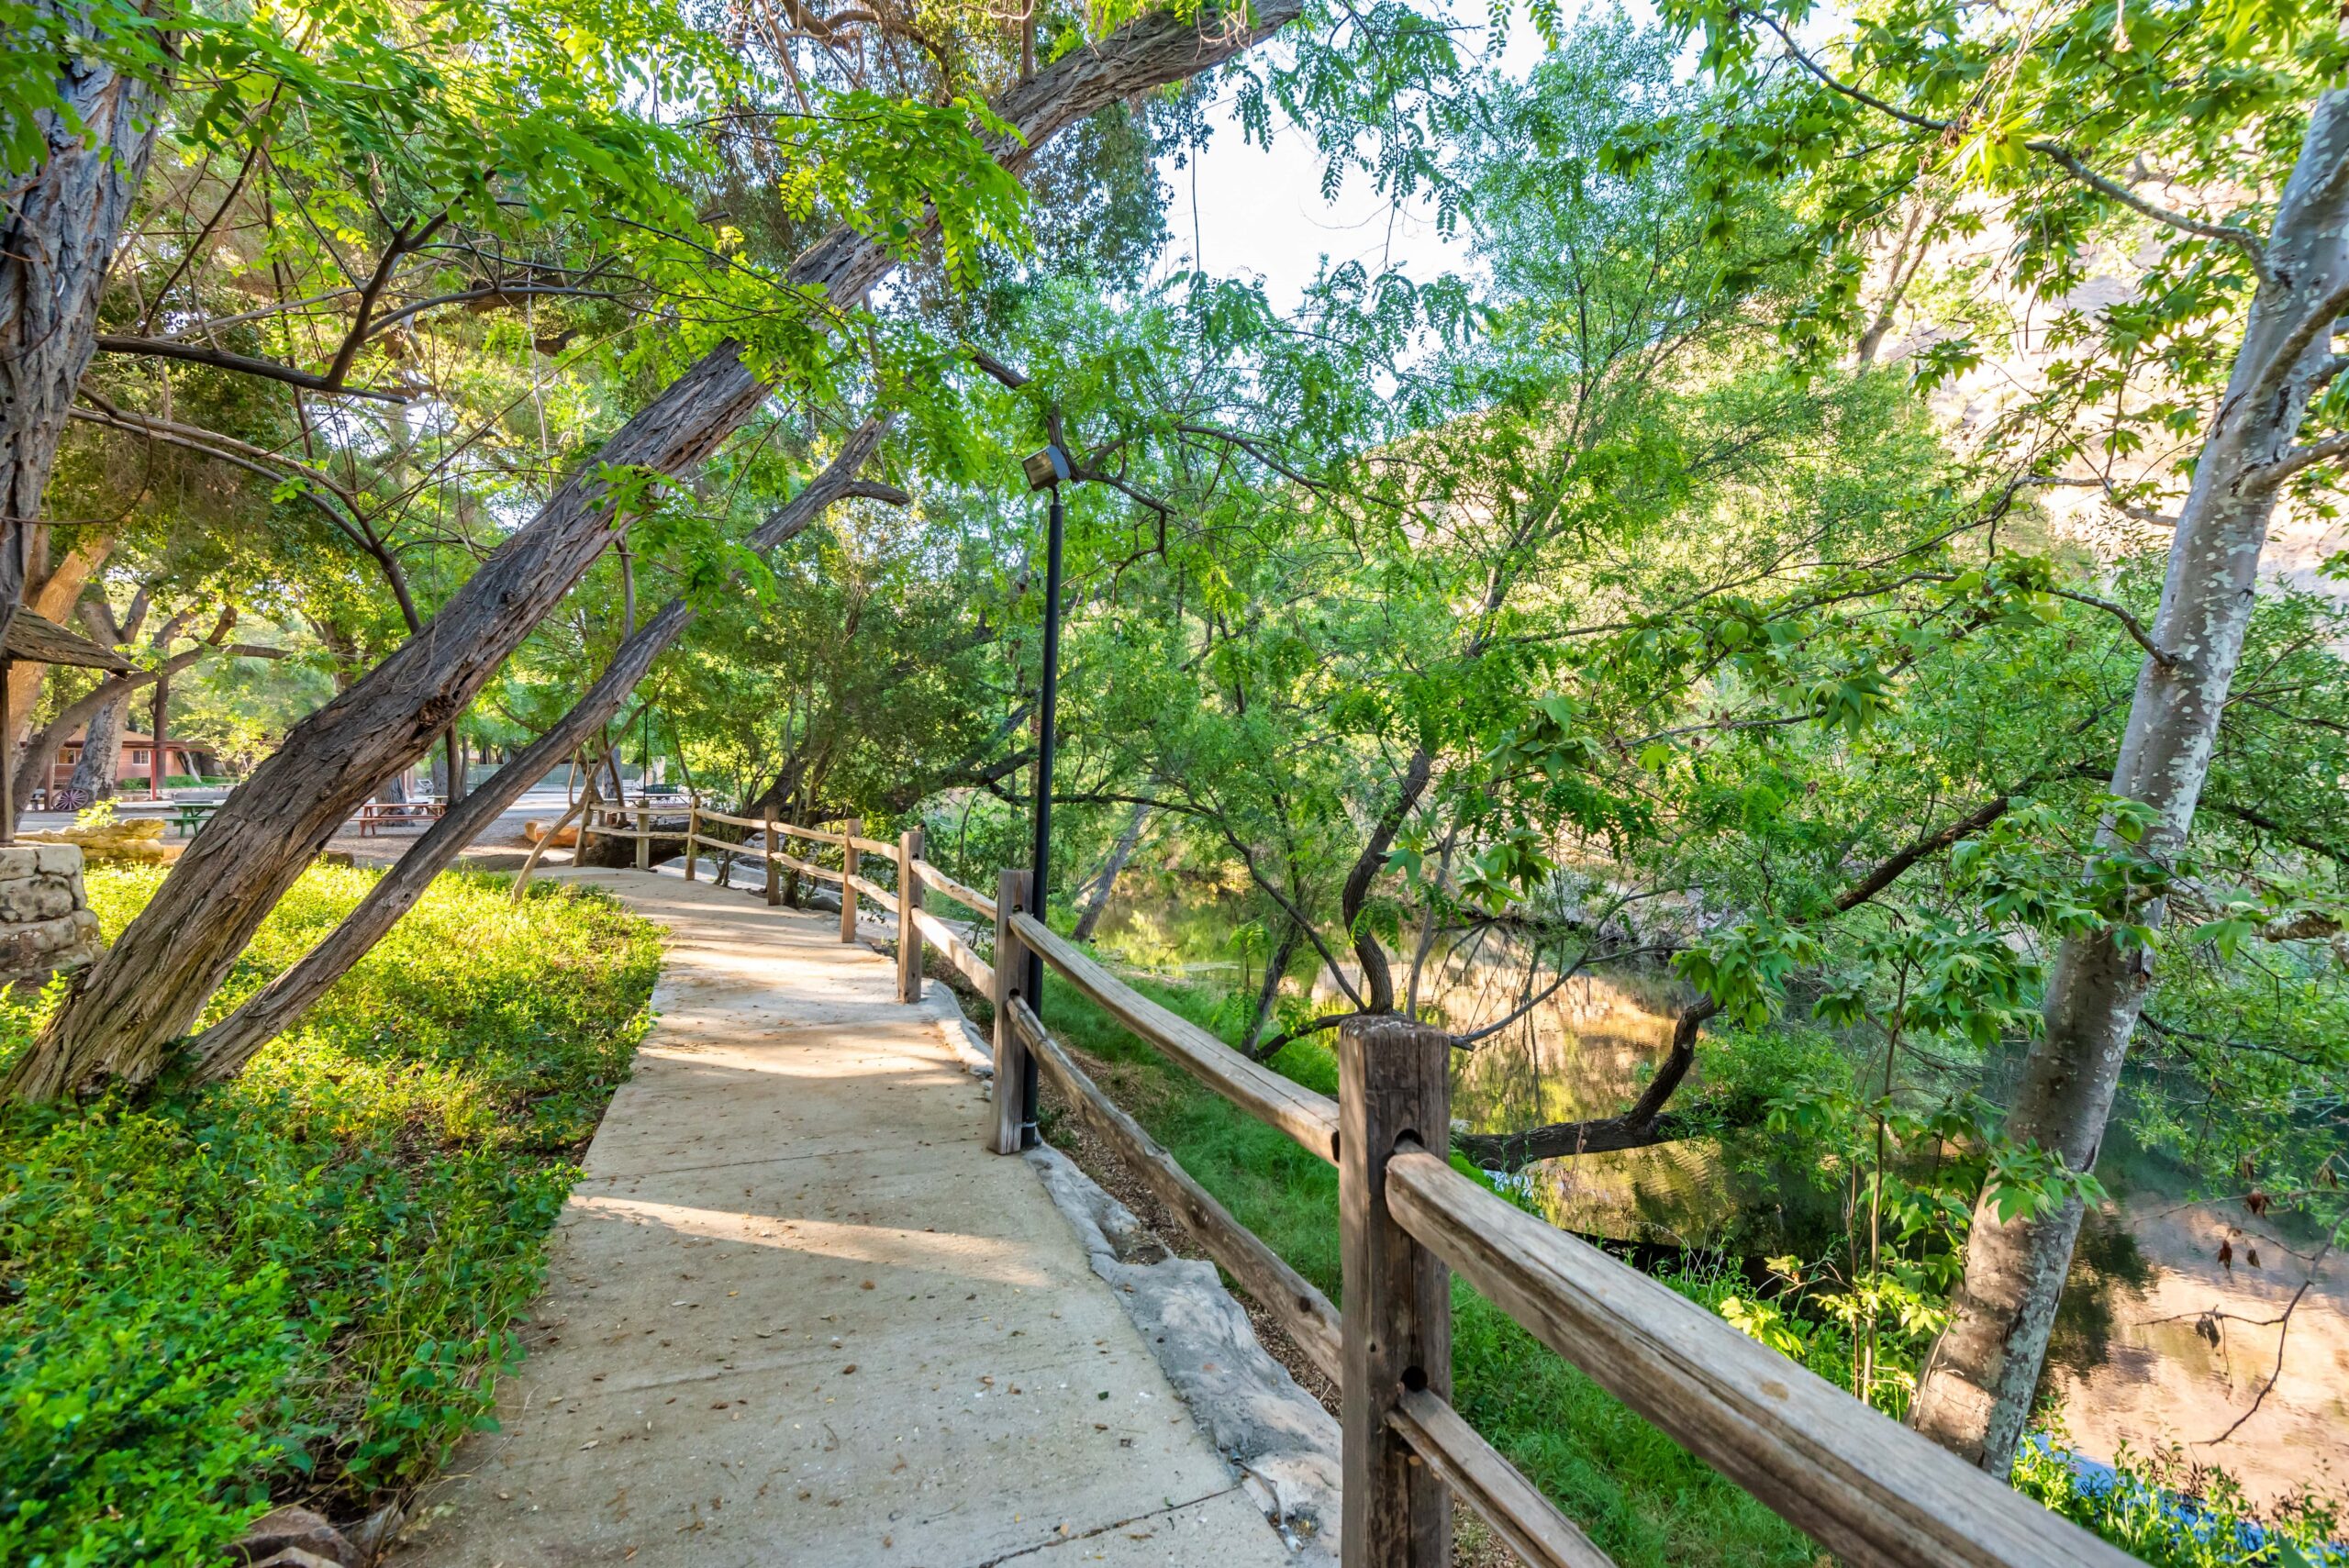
column 64, row 218
column 1268, row 991
column 157, row 772
column 1096, row 899
column 1974, row 1397
column 1377, row 979
column 95, row 769
column 152, row 984
column 222, row 1051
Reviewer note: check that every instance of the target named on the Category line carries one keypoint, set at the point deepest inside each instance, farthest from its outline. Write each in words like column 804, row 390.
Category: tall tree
column 151, row 985
column 1976, row 1392
column 2240, row 274
column 77, row 126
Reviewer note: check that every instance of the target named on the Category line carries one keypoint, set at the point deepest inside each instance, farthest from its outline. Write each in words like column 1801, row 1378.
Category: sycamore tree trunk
column 1975, row 1394
column 150, row 986
column 222, row 1051
column 60, row 222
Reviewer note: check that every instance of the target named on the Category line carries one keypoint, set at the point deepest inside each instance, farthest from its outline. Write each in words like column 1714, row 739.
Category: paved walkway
column 796, row 1315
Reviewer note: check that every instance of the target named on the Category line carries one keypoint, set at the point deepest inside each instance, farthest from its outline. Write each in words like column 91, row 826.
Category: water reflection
column 1585, row 1050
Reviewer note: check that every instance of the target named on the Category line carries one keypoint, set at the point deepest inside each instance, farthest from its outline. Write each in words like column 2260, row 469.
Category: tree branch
column 221, row 359
column 1645, row 1123
column 2129, row 623
column 2266, row 476
column 2071, row 162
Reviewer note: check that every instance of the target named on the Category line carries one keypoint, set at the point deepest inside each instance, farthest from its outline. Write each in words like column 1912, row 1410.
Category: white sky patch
column 1242, row 211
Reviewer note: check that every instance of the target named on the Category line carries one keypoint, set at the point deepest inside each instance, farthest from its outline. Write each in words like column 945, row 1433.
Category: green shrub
column 132, row 1397
column 305, row 1279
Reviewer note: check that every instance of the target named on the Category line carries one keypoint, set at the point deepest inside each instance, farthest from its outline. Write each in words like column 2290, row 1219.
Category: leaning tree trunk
column 223, row 1049
column 94, row 768
column 1105, row 884
column 154, row 982
column 1975, row 1394
column 63, row 218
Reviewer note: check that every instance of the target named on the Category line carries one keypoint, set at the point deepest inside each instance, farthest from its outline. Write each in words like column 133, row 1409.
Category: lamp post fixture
column 1046, row 471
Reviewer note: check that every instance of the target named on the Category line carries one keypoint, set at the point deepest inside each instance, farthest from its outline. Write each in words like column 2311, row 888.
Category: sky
column 1240, row 211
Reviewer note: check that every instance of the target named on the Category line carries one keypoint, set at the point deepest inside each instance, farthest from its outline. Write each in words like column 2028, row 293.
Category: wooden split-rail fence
column 850, row 846
column 1867, row 1489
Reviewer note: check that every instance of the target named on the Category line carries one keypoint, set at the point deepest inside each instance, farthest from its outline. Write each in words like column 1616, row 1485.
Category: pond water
column 1584, row 1051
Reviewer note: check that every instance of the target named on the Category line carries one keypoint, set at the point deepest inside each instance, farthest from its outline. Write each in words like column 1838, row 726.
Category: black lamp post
column 1046, row 471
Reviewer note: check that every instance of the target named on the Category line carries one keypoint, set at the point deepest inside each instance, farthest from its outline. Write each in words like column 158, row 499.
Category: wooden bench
column 378, row 815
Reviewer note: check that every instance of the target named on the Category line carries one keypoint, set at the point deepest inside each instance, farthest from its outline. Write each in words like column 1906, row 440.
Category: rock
column 134, row 841
column 971, row 1048
column 36, row 898
column 373, row 1536
column 62, row 860
column 294, row 1537
column 1284, row 1446
column 30, row 953
column 46, row 927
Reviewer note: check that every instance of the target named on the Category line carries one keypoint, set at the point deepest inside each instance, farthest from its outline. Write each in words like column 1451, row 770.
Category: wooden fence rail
column 1859, row 1483
column 1863, row 1486
column 911, row 874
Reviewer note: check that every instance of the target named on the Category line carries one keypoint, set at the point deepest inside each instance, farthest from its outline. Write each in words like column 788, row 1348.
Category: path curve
column 796, row 1315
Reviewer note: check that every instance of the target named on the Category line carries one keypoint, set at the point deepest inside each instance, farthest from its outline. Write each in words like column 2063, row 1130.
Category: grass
column 1643, row 1498
column 302, row 1284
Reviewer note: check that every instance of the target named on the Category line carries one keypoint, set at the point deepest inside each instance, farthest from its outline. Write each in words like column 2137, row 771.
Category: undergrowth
column 2172, row 1513
column 305, row 1282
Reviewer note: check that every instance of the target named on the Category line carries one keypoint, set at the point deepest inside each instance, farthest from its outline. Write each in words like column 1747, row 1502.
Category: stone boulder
column 46, row 927
column 130, row 840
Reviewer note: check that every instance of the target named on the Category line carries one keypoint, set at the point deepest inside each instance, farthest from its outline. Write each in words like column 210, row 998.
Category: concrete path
column 796, row 1315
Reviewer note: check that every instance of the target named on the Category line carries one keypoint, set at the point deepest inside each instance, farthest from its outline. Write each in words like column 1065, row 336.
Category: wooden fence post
column 909, row 928
column 693, row 827
column 847, row 865
column 775, row 872
column 1010, row 1053
column 643, row 838
column 1398, row 1294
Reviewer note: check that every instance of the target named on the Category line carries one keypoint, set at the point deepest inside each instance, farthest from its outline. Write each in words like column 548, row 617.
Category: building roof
column 133, row 738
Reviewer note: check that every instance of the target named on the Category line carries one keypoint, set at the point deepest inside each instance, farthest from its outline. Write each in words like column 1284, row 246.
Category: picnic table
column 378, row 815
column 190, row 815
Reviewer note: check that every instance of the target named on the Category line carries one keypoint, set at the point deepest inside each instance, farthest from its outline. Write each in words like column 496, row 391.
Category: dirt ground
column 501, row 846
